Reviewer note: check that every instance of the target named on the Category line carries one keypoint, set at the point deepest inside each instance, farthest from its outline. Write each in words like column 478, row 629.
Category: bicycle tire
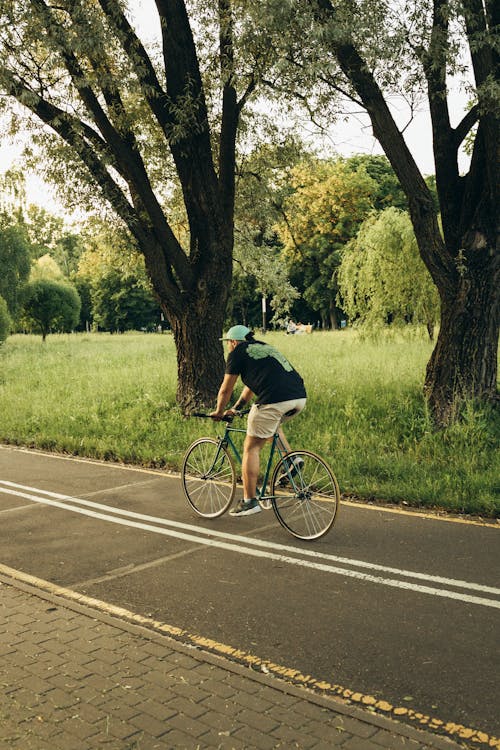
column 306, row 503
column 208, row 477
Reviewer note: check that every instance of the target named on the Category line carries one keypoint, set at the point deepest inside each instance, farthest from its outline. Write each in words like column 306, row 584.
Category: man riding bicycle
column 280, row 391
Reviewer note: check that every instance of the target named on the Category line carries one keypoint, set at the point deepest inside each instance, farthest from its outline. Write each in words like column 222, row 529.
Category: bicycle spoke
column 306, row 503
column 208, row 477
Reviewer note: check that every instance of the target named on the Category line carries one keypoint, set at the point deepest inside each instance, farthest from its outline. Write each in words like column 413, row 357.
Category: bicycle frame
column 226, row 441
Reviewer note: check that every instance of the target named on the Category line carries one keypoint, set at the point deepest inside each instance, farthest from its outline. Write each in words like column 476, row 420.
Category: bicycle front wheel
column 208, row 477
column 305, row 494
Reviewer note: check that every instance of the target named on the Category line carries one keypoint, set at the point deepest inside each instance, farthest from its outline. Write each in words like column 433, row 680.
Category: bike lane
column 371, row 635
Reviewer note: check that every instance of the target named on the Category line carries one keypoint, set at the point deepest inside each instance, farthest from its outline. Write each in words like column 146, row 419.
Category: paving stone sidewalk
column 73, row 678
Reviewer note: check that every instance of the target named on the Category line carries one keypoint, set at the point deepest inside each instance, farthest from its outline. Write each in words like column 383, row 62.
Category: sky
column 344, row 138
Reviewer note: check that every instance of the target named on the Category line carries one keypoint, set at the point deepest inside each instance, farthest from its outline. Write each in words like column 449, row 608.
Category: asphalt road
column 398, row 607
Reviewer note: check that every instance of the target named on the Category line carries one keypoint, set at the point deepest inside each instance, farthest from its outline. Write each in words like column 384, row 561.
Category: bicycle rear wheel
column 208, row 477
column 305, row 494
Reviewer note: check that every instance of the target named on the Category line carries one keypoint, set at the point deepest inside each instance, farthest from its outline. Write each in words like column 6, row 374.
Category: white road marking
column 245, row 545
column 127, row 569
column 258, row 542
column 164, row 474
column 17, row 508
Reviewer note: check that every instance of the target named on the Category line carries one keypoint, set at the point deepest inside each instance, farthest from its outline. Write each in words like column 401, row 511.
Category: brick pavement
column 75, row 678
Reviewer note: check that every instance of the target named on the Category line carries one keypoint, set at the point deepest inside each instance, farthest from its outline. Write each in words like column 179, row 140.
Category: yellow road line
column 432, row 723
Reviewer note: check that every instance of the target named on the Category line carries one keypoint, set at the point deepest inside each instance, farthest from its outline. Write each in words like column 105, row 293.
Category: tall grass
column 113, row 397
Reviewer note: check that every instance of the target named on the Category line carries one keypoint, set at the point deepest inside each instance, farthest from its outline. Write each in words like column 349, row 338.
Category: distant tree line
column 322, row 240
column 56, row 280
column 301, row 226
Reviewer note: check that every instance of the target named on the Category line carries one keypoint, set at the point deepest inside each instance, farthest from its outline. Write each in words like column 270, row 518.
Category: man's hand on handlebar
column 217, row 416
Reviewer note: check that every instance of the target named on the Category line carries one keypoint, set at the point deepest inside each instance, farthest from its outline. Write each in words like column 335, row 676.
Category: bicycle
column 304, row 493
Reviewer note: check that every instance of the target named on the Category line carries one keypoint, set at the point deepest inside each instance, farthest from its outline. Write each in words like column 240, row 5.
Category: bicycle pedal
column 265, row 504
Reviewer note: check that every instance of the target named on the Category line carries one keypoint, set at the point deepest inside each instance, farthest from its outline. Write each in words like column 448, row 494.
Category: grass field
column 113, row 397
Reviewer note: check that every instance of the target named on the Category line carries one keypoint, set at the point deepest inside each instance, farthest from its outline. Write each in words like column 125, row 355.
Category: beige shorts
column 265, row 419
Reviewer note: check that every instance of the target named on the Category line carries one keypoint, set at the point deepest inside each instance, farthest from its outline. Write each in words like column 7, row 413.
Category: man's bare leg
column 251, row 464
column 284, row 442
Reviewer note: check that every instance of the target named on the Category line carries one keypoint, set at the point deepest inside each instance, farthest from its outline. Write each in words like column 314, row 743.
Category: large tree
column 368, row 52
column 80, row 69
column 463, row 259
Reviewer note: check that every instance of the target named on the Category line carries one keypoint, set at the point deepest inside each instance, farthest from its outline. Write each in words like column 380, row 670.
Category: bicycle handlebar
column 228, row 418
column 201, row 414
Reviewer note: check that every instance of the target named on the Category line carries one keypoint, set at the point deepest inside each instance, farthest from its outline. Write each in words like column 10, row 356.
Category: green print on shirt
column 261, row 351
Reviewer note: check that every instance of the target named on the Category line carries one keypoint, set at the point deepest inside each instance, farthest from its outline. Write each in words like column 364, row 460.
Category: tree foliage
column 327, row 203
column 45, row 267
column 51, row 306
column 382, row 277
column 5, row 321
column 123, row 304
column 263, row 182
column 14, row 263
column 44, row 230
column 121, row 297
column 48, row 234
column 388, row 191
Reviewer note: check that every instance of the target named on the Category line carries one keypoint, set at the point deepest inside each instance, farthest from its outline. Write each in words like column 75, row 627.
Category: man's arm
column 245, row 396
column 224, row 395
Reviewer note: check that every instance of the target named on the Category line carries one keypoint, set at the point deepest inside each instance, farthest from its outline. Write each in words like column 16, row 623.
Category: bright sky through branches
column 344, row 138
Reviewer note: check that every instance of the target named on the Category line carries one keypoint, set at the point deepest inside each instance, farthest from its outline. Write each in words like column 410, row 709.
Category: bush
column 5, row 321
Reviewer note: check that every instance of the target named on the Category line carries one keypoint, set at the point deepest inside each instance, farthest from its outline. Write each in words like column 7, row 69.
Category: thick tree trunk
column 200, row 357
column 197, row 326
column 463, row 365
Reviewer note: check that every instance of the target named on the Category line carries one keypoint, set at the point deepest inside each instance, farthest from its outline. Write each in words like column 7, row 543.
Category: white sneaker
column 246, row 508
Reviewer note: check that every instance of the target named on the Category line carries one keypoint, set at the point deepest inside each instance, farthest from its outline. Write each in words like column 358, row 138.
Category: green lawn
column 113, row 397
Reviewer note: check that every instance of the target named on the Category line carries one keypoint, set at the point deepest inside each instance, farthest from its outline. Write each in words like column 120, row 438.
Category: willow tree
column 129, row 121
column 367, row 52
column 382, row 276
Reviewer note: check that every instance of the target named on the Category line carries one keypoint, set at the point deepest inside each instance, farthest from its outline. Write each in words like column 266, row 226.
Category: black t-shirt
column 266, row 372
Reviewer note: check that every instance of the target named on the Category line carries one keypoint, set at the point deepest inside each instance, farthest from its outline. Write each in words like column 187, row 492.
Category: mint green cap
column 236, row 333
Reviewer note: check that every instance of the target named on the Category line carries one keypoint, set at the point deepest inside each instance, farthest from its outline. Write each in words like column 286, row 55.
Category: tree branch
column 152, row 90
column 120, row 140
column 465, row 126
column 230, row 108
column 422, row 211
